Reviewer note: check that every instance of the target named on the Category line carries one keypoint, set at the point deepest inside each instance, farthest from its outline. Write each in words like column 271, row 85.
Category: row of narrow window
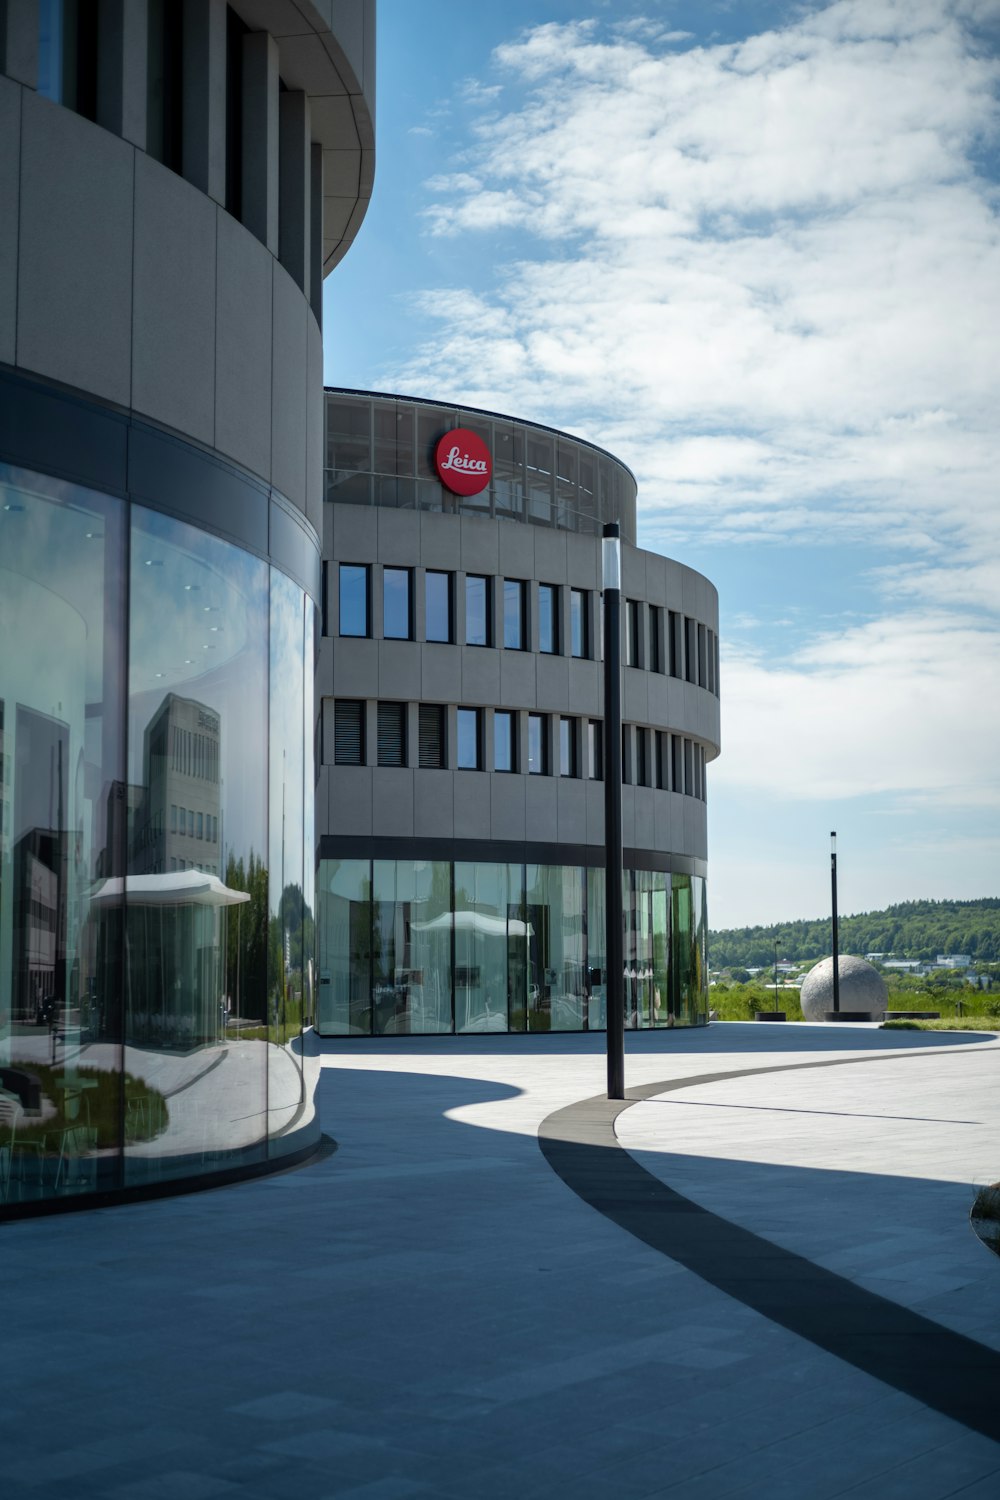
column 656, row 639
column 559, row 745
column 195, row 755
column 194, row 825
column 71, row 51
column 79, row 66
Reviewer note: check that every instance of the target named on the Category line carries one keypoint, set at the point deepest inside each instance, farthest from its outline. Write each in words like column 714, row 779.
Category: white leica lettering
column 463, row 463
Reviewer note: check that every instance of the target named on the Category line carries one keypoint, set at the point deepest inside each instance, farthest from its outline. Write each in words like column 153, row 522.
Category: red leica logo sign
column 463, row 462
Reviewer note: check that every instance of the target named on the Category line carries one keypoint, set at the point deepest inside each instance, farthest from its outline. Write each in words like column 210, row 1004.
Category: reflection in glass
column 289, row 918
column 536, row 745
column 548, row 618
column 411, row 946
column 353, row 599
column 477, row 622
column 503, row 741
column 437, row 599
column 567, row 747
column 595, row 748
column 529, row 947
column 62, row 837
column 558, row 984
column 578, row 622
column 195, row 967
column 345, row 944
column 469, row 739
column 396, row 612
column 513, row 614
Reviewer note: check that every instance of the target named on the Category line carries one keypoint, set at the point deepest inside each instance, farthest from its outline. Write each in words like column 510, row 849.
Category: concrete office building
column 460, row 810
column 176, row 178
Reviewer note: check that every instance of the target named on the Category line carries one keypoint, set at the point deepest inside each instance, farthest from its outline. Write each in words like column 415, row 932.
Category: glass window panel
column 197, row 970
column 290, row 765
column 484, row 930
column 548, row 618
column 477, row 610
column 559, row 984
column 469, row 739
column 503, row 741
column 432, row 424
column 539, row 453
column 567, row 747
column 566, row 486
column 597, row 951
column 655, row 630
column 595, row 750
column 348, row 434
column 412, row 946
column 345, row 947
column 632, row 647
column 393, row 434
column 642, row 757
column 513, row 614
column 397, row 616
column 537, row 747
column 480, row 504
column 578, row 622
column 690, row 649
column 688, row 975
column 63, row 837
column 353, row 599
column 438, row 609
column 348, row 488
column 508, row 469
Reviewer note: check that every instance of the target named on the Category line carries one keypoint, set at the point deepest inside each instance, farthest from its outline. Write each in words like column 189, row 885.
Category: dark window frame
column 354, row 635
column 406, row 573
column 477, row 715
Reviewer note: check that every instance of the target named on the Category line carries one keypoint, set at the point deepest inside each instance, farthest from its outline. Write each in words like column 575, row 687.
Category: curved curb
column 947, row 1371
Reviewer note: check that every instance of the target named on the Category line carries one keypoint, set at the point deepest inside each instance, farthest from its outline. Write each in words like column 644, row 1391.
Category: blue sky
column 755, row 251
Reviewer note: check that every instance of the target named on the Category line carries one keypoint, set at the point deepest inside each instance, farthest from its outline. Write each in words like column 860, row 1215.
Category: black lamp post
column 614, row 916
column 776, row 941
column 836, row 934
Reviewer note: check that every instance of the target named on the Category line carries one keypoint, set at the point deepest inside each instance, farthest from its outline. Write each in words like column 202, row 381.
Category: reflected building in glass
column 171, row 202
column 460, row 810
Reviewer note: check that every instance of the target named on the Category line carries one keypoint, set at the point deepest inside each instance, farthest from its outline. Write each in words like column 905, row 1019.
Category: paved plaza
column 756, row 1280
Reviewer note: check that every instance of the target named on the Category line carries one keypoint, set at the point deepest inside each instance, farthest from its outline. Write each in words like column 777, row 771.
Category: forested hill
column 913, row 929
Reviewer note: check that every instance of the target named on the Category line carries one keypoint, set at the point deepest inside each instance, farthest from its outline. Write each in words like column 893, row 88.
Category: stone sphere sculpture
column 862, row 988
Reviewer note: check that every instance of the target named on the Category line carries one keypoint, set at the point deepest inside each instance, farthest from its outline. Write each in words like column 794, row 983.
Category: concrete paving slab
column 430, row 1310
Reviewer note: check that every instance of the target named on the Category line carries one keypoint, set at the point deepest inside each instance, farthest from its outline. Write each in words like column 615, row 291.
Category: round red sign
column 463, row 462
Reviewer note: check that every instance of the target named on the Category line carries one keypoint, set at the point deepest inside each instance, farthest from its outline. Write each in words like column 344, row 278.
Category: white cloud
column 766, row 273
column 895, row 705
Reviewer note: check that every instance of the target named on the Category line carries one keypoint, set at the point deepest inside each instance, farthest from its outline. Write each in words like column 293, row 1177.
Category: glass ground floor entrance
column 436, row 946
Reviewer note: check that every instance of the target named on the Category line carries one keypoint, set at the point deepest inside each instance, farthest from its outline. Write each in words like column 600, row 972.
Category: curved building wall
column 460, row 800
column 174, row 182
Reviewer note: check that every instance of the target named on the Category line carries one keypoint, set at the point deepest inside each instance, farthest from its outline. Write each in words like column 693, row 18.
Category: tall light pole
column 836, row 934
column 614, row 916
column 776, row 941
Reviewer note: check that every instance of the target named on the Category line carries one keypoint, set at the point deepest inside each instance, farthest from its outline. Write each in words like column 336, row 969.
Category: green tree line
column 917, row 930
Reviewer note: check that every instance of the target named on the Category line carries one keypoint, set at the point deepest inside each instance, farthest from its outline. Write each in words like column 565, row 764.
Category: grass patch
column 947, row 1023
column 98, row 1108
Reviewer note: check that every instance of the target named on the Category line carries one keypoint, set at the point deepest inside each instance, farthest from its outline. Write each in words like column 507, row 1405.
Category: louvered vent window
column 348, row 733
column 431, row 749
column 392, row 734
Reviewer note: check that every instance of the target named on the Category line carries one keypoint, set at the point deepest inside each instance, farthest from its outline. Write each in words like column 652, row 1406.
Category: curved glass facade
column 379, row 451
column 436, row 946
column 156, row 878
